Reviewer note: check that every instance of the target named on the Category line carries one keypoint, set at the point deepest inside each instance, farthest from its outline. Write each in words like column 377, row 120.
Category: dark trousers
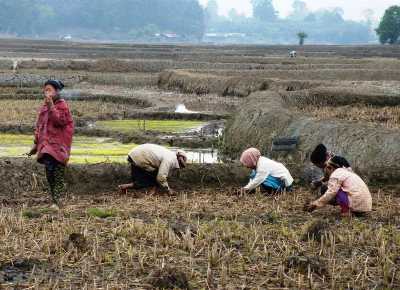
column 270, row 190
column 55, row 172
column 142, row 178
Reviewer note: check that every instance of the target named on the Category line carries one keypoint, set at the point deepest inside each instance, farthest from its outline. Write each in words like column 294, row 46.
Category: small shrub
column 31, row 214
column 101, row 213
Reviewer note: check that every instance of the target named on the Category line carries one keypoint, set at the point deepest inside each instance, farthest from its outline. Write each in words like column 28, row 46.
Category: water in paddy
column 93, row 150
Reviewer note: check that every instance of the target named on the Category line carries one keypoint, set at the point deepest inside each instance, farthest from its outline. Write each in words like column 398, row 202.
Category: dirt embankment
column 325, row 83
column 18, row 175
column 372, row 149
column 32, row 80
column 341, row 96
column 228, row 86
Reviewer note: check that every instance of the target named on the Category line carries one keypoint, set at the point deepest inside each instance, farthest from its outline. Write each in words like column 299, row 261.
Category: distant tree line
column 120, row 17
column 188, row 20
column 324, row 26
column 389, row 28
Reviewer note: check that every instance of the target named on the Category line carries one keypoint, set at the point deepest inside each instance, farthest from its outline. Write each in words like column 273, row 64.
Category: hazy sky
column 353, row 9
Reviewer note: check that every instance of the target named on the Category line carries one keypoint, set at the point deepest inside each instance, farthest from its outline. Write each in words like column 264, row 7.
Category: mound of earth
column 373, row 150
column 18, row 175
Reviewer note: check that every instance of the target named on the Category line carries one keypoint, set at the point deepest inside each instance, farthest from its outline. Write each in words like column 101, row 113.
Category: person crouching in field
column 151, row 165
column 319, row 157
column 53, row 138
column 269, row 175
column 346, row 189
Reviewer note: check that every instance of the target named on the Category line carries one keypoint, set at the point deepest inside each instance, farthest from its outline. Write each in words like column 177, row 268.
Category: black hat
column 58, row 85
column 319, row 154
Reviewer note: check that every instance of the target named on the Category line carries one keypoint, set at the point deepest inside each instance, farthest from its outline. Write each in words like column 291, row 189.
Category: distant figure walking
column 345, row 189
column 151, row 165
column 269, row 175
column 53, row 138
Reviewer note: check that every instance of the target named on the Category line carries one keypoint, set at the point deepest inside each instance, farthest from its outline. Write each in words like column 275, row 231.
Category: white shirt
column 151, row 157
column 267, row 167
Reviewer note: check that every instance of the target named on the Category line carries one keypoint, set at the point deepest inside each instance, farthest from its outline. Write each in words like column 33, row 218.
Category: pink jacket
column 54, row 131
column 359, row 196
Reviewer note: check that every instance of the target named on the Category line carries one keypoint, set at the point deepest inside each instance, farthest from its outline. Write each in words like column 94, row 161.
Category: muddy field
column 202, row 239
column 214, row 102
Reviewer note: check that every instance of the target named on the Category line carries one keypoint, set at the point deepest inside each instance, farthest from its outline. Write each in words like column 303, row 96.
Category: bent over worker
column 269, row 175
column 345, row 189
column 151, row 165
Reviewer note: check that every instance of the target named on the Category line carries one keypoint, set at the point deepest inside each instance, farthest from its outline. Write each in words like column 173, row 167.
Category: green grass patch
column 31, row 214
column 14, row 139
column 37, row 213
column 166, row 126
column 84, row 149
column 101, row 213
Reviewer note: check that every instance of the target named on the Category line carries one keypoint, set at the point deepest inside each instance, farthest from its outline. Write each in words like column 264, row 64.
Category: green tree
column 302, row 36
column 264, row 10
column 389, row 28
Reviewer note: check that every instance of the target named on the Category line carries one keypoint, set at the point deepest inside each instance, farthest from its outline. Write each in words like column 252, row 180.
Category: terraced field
column 206, row 236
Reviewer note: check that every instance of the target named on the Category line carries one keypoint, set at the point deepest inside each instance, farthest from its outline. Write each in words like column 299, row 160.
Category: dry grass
column 25, row 111
column 211, row 240
column 128, row 80
column 387, row 116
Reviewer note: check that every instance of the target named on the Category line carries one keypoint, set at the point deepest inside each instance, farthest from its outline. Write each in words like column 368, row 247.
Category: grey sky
column 353, row 9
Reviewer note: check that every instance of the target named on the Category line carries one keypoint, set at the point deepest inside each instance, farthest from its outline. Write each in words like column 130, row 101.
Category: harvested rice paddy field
column 214, row 101
column 386, row 116
column 25, row 111
column 199, row 239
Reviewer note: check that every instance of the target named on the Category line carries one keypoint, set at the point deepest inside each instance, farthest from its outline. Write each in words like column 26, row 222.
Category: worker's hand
column 243, row 191
column 33, row 151
column 316, row 183
column 48, row 99
column 310, row 207
column 125, row 187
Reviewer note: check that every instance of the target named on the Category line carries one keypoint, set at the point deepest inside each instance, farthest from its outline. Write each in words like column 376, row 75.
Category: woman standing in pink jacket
column 53, row 137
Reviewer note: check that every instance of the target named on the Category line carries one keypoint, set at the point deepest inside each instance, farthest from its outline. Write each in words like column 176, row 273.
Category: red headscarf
column 250, row 157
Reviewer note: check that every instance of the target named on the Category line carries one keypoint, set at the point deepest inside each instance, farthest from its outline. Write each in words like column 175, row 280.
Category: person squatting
column 151, row 164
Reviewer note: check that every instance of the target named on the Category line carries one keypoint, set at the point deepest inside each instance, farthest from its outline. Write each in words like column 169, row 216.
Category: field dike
column 19, row 175
column 115, row 99
column 340, row 96
column 160, row 63
column 372, row 149
column 310, row 74
column 241, row 85
column 33, row 80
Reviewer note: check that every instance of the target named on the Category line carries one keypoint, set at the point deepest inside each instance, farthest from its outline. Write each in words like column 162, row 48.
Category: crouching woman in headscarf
column 53, row 138
column 346, row 189
column 151, row 165
column 269, row 175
